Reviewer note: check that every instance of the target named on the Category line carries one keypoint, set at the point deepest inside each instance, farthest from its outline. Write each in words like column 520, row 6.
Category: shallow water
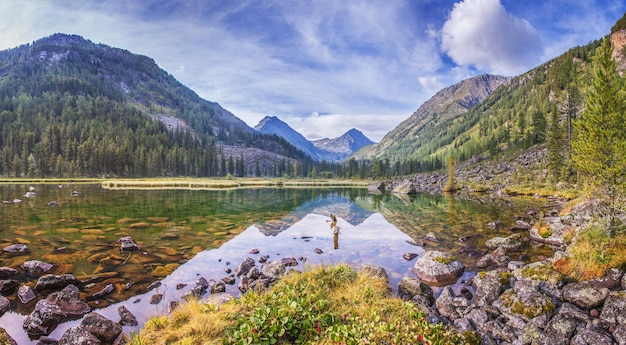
column 185, row 235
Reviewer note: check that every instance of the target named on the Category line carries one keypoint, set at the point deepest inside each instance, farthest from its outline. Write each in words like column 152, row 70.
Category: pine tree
column 555, row 143
column 599, row 151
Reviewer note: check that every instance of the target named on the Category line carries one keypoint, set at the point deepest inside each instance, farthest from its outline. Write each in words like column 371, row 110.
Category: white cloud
column 481, row 33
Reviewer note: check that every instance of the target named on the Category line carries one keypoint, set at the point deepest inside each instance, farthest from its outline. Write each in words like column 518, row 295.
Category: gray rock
column 57, row 307
column 244, row 266
column 438, row 268
column 408, row 288
column 127, row 244
column 4, row 305
column 17, row 249
column 376, row 187
column 611, row 279
column 229, row 279
column 217, row 287
column 450, row 305
column 8, row 285
column 405, row 187
column 375, row 271
column 103, row 328
column 254, row 273
column 6, row 272
column 156, row 298
column 614, row 310
column 590, row 336
column 54, row 282
column 508, row 243
column 619, row 334
column 127, row 318
column 103, row 292
column 289, row 261
column 26, row 294
column 488, row 287
column 521, row 225
column 47, row 341
column 560, row 329
column 585, row 295
column 78, row 336
column 36, row 267
column 273, row 270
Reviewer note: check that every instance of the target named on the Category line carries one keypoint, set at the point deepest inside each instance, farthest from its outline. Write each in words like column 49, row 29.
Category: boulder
column 244, row 266
column 405, row 187
column 127, row 244
column 290, row 261
column 8, row 285
column 376, row 187
column 438, row 268
column 273, row 270
column 55, row 282
column 17, row 249
column 521, row 225
column 585, row 295
column 36, row 267
column 409, row 256
column 4, row 305
column 26, row 294
column 47, row 341
column 103, row 328
column 450, row 305
column 6, row 272
column 614, row 310
column 103, row 292
column 78, row 336
column 58, row 306
column 408, row 288
column 127, row 318
column 375, row 271
column 562, row 327
column 509, row 243
column 488, row 286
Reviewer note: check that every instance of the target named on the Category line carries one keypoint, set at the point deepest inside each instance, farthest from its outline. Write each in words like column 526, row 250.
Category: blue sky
column 322, row 66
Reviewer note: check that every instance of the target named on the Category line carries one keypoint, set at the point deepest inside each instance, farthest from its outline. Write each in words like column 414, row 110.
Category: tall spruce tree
column 555, row 143
column 599, row 151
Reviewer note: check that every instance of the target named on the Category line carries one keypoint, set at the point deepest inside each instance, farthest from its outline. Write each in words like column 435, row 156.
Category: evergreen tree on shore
column 599, row 151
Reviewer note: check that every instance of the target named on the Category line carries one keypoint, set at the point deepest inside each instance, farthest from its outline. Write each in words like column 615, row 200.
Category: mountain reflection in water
column 365, row 235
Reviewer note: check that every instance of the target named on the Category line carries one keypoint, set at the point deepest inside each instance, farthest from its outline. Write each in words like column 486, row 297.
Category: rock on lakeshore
column 438, row 268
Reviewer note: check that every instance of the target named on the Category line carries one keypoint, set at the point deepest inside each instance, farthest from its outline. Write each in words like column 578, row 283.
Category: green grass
column 325, row 305
column 209, row 184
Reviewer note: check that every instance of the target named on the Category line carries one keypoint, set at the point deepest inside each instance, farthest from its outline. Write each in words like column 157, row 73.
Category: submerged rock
column 6, row 272
column 36, row 267
column 53, row 281
column 17, row 249
column 127, row 244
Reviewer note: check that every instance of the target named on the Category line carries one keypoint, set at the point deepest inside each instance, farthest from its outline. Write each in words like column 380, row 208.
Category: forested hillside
column 69, row 107
column 529, row 109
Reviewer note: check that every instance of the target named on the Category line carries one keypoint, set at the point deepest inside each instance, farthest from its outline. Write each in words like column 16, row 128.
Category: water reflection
column 188, row 234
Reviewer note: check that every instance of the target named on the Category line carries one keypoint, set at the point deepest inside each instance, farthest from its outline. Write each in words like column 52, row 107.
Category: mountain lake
column 188, row 234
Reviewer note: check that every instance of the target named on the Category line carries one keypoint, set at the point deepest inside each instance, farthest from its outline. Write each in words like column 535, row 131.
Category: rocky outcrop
column 534, row 304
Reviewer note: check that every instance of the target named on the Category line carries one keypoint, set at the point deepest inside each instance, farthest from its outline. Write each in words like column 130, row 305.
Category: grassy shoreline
column 219, row 184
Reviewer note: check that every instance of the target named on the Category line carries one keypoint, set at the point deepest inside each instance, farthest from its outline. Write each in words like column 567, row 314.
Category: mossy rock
column 539, row 271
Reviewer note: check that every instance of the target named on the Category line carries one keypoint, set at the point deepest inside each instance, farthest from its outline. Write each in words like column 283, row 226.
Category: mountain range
column 73, row 108
column 335, row 149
